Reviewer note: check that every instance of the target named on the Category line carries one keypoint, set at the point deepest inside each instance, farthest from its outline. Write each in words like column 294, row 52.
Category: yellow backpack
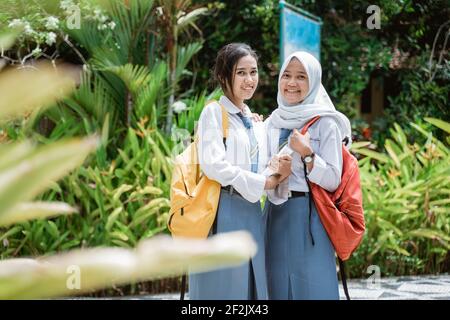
column 193, row 197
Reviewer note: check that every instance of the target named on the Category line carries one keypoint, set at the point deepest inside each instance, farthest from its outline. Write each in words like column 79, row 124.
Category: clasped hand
column 281, row 165
column 301, row 143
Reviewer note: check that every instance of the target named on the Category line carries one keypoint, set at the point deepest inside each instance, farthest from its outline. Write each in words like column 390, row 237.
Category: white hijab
column 316, row 103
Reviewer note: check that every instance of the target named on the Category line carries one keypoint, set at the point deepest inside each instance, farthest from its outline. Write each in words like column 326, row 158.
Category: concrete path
column 395, row 288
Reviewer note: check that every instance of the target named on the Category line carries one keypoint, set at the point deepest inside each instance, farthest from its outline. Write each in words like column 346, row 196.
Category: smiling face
column 294, row 82
column 245, row 80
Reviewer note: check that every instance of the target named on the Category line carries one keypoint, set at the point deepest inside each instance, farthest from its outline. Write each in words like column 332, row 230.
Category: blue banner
column 299, row 30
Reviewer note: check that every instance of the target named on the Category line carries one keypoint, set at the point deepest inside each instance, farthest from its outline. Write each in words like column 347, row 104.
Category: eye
column 241, row 73
column 285, row 76
column 254, row 72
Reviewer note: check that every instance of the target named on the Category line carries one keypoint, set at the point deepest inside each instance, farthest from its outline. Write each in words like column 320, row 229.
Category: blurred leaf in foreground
column 84, row 270
column 29, row 87
column 34, row 169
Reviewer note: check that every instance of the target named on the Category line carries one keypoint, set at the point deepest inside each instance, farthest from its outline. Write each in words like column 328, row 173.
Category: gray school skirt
column 247, row 281
column 296, row 268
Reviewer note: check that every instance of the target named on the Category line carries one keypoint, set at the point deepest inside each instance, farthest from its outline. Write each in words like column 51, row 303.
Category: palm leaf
column 185, row 55
column 134, row 76
column 155, row 89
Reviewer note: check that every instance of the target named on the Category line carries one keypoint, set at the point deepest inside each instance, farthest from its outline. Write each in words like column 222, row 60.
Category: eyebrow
column 300, row 72
column 242, row 68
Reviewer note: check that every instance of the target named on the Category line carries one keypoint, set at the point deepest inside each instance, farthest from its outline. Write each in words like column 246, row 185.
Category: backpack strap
column 224, row 122
column 224, row 119
column 309, row 124
column 343, row 277
column 225, row 135
column 346, row 139
column 304, row 130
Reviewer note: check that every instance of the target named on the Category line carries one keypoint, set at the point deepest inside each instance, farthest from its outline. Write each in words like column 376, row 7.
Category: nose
column 248, row 78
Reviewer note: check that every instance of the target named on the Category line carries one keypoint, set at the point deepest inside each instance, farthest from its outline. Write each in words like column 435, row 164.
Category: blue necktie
column 254, row 150
column 284, row 135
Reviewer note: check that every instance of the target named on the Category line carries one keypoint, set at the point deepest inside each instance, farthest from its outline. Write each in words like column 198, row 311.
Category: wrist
column 306, row 152
column 308, row 159
column 272, row 181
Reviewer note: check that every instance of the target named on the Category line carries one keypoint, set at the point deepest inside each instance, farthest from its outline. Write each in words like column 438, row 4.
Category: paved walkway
column 395, row 288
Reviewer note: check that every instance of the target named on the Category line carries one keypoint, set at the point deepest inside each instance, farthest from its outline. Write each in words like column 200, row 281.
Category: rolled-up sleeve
column 327, row 169
column 212, row 158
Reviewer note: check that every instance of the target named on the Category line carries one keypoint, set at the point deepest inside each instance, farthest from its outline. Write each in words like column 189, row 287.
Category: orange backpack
column 341, row 212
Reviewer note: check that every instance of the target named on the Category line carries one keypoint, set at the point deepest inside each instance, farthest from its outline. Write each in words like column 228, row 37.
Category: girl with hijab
column 300, row 257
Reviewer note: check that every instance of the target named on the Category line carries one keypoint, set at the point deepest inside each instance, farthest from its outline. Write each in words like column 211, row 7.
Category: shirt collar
column 231, row 108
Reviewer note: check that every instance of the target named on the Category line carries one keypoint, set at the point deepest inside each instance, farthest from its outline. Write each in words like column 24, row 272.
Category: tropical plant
column 175, row 16
column 407, row 206
column 124, row 79
column 40, row 23
column 26, row 170
column 119, row 205
column 187, row 119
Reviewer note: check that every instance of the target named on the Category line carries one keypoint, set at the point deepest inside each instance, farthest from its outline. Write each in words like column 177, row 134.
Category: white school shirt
column 233, row 165
column 326, row 142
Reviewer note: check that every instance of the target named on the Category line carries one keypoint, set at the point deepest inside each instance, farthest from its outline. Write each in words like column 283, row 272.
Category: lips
column 292, row 91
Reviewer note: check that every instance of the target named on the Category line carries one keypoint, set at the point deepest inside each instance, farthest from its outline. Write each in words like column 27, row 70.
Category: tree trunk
column 172, row 84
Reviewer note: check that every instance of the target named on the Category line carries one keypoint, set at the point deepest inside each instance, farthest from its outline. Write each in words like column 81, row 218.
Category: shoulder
column 269, row 126
column 211, row 110
column 325, row 124
column 328, row 126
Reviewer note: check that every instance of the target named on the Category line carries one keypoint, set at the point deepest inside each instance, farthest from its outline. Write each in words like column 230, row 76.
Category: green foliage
column 118, row 205
column 41, row 23
column 348, row 59
column 27, row 170
column 187, row 119
column 407, row 206
column 420, row 95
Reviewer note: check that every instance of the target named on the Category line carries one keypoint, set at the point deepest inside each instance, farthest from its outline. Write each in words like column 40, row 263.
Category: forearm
column 272, row 181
